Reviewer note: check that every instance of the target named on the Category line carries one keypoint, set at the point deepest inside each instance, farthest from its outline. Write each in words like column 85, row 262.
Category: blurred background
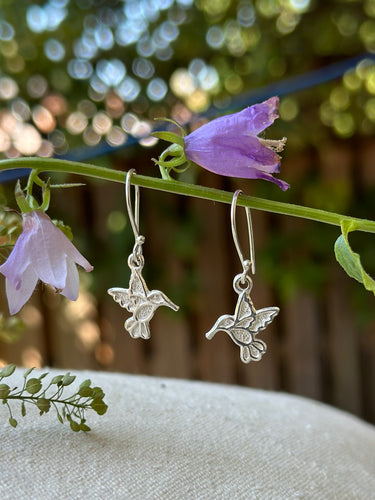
column 85, row 79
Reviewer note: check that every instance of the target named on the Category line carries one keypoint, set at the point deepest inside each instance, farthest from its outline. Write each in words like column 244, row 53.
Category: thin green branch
column 181, row 188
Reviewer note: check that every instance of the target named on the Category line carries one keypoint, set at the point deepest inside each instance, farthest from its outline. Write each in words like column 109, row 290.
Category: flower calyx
column 173, row 157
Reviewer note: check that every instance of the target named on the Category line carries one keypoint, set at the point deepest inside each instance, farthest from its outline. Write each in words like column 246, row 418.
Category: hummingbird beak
column 210, row 334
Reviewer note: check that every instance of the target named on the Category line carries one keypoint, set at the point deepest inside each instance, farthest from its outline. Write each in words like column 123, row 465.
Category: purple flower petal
column 229, row 145
column 72, row 282
column 250, row 121
column 18, row 261
column 41, row 252
column 17, row 297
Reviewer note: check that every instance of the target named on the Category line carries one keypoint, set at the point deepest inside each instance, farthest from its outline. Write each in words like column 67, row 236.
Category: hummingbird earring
column 137, row 299
column 246, row 322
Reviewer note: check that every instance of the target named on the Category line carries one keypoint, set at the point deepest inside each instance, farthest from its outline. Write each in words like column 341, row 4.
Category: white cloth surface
column 174, row 439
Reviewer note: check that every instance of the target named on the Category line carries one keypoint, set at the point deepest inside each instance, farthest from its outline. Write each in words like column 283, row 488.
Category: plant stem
column 181, row 188
column 33, row 399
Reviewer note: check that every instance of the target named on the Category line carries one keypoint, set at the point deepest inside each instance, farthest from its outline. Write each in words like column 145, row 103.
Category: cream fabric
column 172, row 439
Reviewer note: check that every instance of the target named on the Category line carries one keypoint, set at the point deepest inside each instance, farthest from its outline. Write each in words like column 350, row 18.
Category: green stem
column 33, row 399
column 175, row 187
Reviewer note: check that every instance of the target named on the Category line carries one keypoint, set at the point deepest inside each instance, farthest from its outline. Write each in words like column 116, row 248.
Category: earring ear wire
column 246, row 263
column 133, row 216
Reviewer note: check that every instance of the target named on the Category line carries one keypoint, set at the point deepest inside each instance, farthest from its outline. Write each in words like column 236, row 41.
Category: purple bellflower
column 230, row 145
column 42, row 252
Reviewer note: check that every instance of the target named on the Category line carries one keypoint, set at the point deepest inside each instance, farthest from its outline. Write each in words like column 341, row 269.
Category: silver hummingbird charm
column 137, row 299
column 245, row 323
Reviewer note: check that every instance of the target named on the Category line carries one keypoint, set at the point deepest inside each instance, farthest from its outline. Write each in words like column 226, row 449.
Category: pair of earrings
column 242, row 326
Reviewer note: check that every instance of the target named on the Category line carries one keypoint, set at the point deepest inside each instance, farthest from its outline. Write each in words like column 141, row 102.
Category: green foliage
column 350, row 260
column 70, row 408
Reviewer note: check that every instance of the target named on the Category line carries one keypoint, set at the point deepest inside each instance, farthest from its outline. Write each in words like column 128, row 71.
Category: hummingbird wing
column 263, row 318
column 245, row 311
column 137, row 285
column 121, row 296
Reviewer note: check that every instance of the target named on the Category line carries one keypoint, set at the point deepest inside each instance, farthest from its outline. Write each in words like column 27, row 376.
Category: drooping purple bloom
column 230, row 145
column 42, row 252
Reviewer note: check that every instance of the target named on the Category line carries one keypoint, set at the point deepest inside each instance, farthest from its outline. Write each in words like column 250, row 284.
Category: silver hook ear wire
column 246, row 263
column 133, row 216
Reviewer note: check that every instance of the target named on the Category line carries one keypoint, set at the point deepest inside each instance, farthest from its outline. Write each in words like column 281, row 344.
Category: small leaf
column 4, row 391
column 68, row 379
column 59, row 418
column 85, row 383
column 13, row 422
column 27, row 372
column 21, row 198
column 23, row 409
column 57, row 379
column 83, row 427
column 99, row 406
column 33, row 385
column 43, row 404
column 85, row 392
column 97, row 393
column 43, row 376
column 169, row 137
column 75, row 426
column 349, row 260
column 7, row 370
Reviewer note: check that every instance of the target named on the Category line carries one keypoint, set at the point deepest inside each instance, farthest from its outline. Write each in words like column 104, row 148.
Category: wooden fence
column 317, row 347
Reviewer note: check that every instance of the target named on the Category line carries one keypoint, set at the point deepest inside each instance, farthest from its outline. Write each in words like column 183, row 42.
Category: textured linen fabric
column 174, row 439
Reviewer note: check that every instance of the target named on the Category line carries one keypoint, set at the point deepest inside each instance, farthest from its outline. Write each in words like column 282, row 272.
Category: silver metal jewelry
column 137, row 299
column 246, row 322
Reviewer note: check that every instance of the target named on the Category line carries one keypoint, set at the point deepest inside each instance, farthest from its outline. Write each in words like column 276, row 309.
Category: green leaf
column 27, row 372
column 99, row 406
column 85, row 392
column 68, row 379
column 23, row 409
column 57, row 379
column 33, row 385
column 349, row 260
column 75, row 426
column 169, row 137
column 21, row 199
column 43, row 404
column 85, row 383
column 97, row 393
column 7, row 370
column 13, row 422
column 83, row 427
column 4, row 391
